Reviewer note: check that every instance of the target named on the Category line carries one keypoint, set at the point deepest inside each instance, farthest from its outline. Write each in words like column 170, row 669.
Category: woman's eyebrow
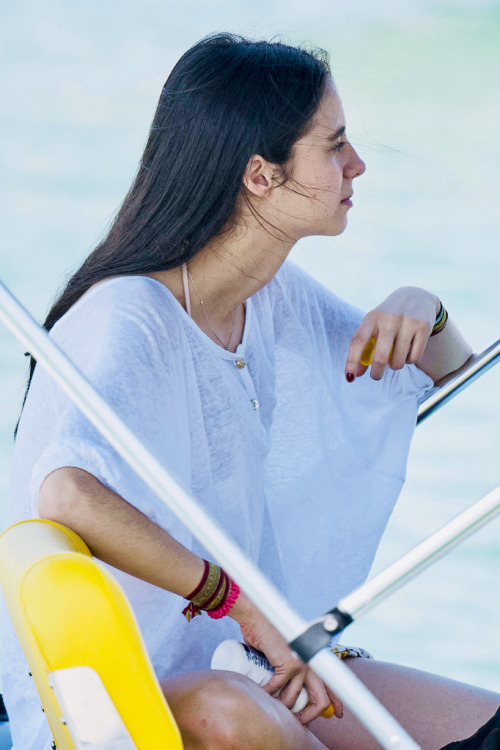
column 337, row 134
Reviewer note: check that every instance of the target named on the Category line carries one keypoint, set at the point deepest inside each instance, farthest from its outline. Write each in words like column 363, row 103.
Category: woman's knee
column 223, row 711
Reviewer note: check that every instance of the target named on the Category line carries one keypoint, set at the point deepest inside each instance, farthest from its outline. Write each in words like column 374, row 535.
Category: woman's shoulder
column 140, row 288
column 294, row 285
column 121, row 298
column 128, row 317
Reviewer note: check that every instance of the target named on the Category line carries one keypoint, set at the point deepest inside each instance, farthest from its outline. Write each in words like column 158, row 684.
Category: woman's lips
column 347, row 201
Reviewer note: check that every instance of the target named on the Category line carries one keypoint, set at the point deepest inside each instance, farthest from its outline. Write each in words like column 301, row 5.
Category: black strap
column 318, row 635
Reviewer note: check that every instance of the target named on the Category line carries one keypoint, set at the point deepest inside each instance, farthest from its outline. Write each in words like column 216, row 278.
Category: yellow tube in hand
column 366, row 357
column 327, row 713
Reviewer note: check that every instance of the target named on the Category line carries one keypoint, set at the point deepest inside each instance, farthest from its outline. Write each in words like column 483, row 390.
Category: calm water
column 419, row 82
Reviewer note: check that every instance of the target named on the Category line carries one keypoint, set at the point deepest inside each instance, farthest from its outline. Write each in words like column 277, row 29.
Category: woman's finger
column 319, row 700
column 401, row 349
column 381, row 354
column 361, row 370
column 291, row 691
column 418, row 346
column 359, row 342
column 336, row 703
column 411, row 340
column 280, row 680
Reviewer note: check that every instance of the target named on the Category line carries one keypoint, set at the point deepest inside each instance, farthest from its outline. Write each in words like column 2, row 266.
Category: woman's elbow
column 61, row 493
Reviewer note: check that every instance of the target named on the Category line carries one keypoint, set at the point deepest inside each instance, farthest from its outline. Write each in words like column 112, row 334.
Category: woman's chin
column 326, row 228
column 333, row 228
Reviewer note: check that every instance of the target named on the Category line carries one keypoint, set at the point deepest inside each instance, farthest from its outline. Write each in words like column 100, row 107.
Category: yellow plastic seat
column 81, row 641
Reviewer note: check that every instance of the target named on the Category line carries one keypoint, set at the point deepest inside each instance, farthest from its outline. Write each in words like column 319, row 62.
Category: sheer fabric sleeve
column 334, row 322
column 121, row 340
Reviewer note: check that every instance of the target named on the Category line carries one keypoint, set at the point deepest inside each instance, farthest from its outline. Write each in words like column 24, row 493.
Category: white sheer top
column 302, row 468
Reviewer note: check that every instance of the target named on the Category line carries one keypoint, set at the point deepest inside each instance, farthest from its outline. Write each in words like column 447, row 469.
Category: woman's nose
column 354, row 166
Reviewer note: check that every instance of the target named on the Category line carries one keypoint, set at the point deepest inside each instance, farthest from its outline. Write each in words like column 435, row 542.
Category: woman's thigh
column 434, row 710
column 223, row 710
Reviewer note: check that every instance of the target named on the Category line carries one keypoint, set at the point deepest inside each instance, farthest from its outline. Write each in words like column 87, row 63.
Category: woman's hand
column 401, row 325
column 290, row 673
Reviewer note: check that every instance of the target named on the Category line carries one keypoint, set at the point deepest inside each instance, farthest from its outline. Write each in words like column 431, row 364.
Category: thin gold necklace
column 202, row 303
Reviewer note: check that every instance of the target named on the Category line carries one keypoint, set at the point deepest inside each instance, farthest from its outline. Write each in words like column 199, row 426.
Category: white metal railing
column 414, row 562
column 476, row 366
column 267, row 598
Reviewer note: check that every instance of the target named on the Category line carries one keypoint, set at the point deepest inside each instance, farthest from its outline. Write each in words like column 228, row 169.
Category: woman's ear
column 258, row 176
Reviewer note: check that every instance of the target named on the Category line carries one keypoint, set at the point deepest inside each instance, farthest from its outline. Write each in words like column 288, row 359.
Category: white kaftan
column 305, row 483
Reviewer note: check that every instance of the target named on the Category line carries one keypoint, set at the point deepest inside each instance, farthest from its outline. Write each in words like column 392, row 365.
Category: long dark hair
column 226, row 99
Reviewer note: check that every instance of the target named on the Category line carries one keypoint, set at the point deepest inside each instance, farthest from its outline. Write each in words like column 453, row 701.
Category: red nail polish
column 349, row 376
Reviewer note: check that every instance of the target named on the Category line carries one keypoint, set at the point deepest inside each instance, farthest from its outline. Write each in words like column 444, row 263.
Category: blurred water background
column 420, row 86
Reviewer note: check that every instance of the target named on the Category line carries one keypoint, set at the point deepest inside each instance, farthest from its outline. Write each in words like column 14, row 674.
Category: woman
column 244, row 377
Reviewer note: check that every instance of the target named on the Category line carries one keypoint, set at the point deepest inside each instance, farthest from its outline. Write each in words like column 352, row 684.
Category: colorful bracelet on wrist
column 441, row 320
column 216, row 594
column 229, row 603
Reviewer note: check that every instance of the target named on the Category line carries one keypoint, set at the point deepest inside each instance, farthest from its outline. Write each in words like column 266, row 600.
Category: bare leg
column 433, row 710
column 218, row 710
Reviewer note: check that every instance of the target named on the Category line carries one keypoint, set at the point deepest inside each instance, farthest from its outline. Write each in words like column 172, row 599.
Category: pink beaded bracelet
column 222, row 611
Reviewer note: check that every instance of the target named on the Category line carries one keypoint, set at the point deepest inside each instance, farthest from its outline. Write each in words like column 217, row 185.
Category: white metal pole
column 266, row 597
column 479, row 364
column 431, row 549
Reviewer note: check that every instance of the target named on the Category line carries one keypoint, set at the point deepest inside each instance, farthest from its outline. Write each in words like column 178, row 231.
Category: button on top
column 254, row 403
column 240, row 364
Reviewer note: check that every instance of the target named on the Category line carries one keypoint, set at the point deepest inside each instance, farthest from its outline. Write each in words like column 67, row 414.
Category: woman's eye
column 338, row 146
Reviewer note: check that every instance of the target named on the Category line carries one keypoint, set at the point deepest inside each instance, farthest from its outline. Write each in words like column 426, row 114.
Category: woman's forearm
column 445, row 352
column 116, row 532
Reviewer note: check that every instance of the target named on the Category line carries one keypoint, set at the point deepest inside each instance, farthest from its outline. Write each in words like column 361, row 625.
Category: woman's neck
column 225, row 273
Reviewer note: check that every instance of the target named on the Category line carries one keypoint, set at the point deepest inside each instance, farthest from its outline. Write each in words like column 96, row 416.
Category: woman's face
column 323, row 167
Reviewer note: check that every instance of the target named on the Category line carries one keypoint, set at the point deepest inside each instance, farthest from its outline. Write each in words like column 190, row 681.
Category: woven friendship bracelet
column 440, row 314
column 204, row 590
column 220, row 594
column 223, row 610
column 209, row 584
column 215, row 593
column 441, row 320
